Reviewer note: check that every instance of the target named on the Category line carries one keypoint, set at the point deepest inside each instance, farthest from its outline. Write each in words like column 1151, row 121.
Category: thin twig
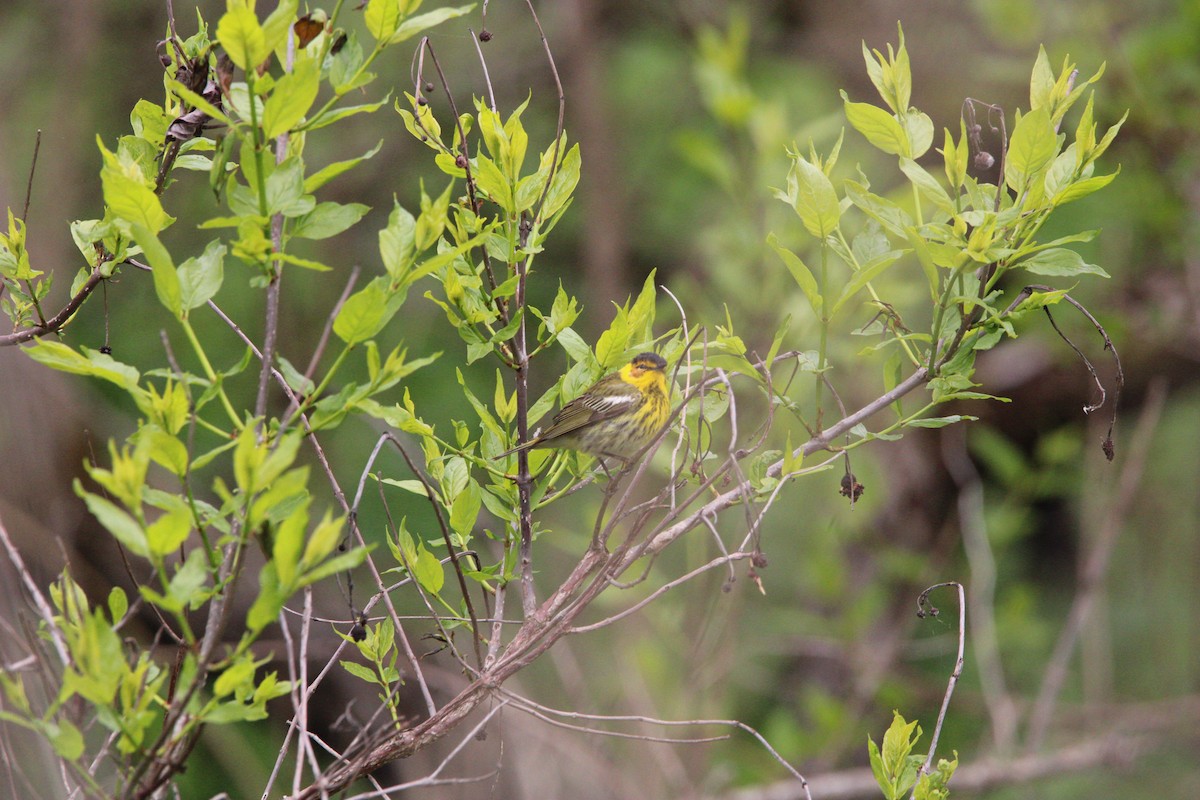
column 922, row 604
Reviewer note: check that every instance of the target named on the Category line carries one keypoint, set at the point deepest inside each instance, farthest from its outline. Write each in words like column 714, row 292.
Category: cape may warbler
column 617, row 416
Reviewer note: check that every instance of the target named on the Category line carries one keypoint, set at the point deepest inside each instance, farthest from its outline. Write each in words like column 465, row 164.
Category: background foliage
column 684, row 112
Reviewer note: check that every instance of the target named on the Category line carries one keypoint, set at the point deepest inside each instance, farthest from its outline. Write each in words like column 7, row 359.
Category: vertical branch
column 37, row 146
column 271, row 327
column 521, row 351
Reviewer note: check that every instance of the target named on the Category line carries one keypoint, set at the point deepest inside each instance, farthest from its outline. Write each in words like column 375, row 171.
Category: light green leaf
column 492, row 182
column 414, row 25
column 61, row 357
column 200, row 278
column 328, row 219
column 815, row 200
column 187, row 586
column 465, row 509
column 927, row 184
column 285, row 190
column 918, row 127
column 166, row 279
column 270, row 599
column 564, row 183
column 66, row 739
column 801, row 272
column 1083, row 188
column 291, row 98
column 323, row 540
column 938, row 422
column 869, row 272
column 428, row 571
column 1041, row 84
column 275, row 26
column 336, row 114
column 362, row 316
column 359, row 671
column 878, row 126
column 1031, row 148
column 382, row 18
column 242, row 37
column 124, row 528
column 1059, row 262
column 328, row 173
column 129, row 197
column 170, row 530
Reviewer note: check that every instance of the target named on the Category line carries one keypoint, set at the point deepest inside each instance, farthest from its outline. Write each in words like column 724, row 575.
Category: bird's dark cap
column 650, row 361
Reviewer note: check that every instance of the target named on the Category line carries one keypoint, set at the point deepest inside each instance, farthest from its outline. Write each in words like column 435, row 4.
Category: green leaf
column 200, row 278
column 328, row 219
column 170, row 530
column 242, row 37
column 382, row 17
column 124, row 528
column 869, row 272
column 413, row 485
column 118, row 603
column 129, row 197
column 877, row 769
column 269, row 602
column 291, row 98
column 61, row 357
column 275, row 26
column 414, row 25
column 1059, row 262
column 397, row 242
column 576, row 347
column 359, row 671
column 342, row 563
column 323, row 540
column 918, row 128
column 927, row 184
column 878, row 126
column 362, row 316
column 428, row 571
column 1041, row 84
column 815, row 199
column 465, row 510
column 1031, row 148
column 288, row 542
column 801, row 272
column 564, row 183
column 493, row 183
column 1083, row 188
column 285, row 190
column 337, row 114
column 187, row 587
column 938, row 422
column 166, row 279
column 66, row 739
column 328, row 173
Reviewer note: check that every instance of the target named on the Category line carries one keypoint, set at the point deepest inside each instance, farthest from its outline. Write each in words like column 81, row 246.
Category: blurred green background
column 683, row 110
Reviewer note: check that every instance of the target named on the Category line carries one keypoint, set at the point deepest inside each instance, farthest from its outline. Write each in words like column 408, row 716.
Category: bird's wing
column 586, row 410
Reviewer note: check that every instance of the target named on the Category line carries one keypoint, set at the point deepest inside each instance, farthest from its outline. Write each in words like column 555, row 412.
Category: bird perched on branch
column 616, row 417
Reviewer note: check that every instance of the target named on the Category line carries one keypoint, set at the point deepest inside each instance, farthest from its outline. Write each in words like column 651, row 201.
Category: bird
column 615, row 417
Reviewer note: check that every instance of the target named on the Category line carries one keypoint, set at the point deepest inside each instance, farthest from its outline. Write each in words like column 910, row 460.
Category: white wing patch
column 607, row 403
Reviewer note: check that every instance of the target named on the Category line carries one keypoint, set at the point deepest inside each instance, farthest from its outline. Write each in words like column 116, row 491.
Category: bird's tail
column 528, row 445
